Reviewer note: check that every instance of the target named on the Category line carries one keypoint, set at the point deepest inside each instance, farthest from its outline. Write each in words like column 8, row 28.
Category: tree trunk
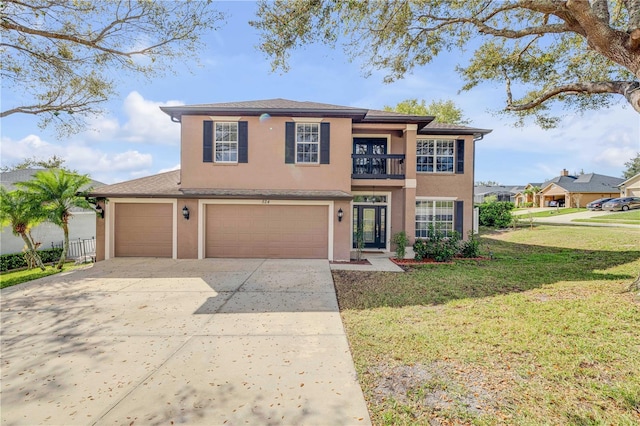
column 31, row 249
column 65, row 246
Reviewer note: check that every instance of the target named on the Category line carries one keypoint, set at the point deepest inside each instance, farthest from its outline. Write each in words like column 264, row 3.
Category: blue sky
column 134, row 138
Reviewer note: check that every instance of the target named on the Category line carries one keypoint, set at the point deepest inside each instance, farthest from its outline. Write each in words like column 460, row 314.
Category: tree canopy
column 444, row 111
column 53, row 162
column 65, row 57
column 632, row 167
column 577, row 53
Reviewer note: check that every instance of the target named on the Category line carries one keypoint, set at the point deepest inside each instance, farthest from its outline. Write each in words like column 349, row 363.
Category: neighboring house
column 501, row 192
column 82, row 224
column 577, row 191
column 280, row 178
column 528, row 196
column 630, row 187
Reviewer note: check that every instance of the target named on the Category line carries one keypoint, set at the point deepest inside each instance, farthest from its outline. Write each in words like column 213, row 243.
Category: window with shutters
column 307, row 143
column 435, row 155
column 226, row 142
column 436, row 213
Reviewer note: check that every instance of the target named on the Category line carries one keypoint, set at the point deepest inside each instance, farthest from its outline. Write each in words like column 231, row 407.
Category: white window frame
column 229, row 142
column 451, row 144
column 433, row 207
column 316, row 143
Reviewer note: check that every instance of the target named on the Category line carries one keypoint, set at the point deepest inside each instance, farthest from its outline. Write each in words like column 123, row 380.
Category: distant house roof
column 486, row 190
column 9, row 179
column 589, row 182
column 286, row 107
column 167, row 185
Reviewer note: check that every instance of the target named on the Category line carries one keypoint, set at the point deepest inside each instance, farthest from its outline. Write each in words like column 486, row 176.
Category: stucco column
column 410, row 183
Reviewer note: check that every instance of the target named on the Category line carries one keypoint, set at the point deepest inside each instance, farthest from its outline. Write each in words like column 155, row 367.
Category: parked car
column 597, row 204
column 623, row 203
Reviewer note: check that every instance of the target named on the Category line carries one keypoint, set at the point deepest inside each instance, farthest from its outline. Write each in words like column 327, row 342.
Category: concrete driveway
column 151, row 341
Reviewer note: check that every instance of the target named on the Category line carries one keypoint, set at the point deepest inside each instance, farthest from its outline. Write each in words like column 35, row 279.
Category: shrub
column 17, row 261
column 471, row 247
column 496, row 214
column 437, row 246
column 400, row 240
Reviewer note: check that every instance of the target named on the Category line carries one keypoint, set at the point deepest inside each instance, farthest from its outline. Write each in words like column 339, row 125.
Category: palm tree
column 58, row 191
column 22, row 212
column 531, row 192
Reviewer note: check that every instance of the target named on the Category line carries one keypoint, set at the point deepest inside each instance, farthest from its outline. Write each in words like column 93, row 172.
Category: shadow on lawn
column 515, row 268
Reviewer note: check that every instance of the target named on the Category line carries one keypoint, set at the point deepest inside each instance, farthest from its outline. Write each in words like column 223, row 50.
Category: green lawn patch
column 630, row 217
column 549, row 213
column 8, row 279
column 542, row 334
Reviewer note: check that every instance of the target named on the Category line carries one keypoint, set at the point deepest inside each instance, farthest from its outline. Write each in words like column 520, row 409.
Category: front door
column 370, row 226
column 367, row 150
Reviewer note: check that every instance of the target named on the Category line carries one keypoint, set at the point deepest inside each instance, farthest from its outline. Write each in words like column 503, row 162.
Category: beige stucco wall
column 584, row 198
column 341, row 231
column 451, row 184
column 100, row 236
column 187, row 229
column 631, row 187
column 266, row 168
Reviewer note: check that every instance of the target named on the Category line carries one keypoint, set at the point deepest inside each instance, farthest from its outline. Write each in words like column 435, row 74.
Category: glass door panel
column 369, row 225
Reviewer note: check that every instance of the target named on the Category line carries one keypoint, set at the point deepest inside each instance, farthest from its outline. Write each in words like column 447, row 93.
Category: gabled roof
column 483, row 190
column 160, row 185
column 285, row 107
column 589, row 182
column 628, row 181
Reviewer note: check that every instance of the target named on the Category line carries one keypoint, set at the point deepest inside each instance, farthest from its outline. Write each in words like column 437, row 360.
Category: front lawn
column 10, row 278
column 542, row 334
column 548, row 213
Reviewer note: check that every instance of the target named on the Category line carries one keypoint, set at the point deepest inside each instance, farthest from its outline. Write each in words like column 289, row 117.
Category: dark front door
column 371, row 221
column 367, row 150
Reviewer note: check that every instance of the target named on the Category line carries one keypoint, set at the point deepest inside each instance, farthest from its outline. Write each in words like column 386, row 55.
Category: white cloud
column 144, row 123
column 100, row 165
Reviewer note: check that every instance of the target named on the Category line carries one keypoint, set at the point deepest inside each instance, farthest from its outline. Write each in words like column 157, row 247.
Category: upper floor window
column 307, row 142
column 435, row 155
column 226, row 142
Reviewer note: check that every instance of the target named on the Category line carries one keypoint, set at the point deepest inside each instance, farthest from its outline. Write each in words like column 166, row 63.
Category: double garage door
column 246, row 230
column 269, row 231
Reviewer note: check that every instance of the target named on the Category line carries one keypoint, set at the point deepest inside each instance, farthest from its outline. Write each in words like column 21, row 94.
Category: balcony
column 378, row 166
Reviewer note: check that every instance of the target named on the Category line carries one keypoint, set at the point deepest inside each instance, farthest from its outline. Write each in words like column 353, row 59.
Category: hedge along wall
column 16, row 260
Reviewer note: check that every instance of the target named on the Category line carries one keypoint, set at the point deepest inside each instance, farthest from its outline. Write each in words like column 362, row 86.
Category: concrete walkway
column 150, row 341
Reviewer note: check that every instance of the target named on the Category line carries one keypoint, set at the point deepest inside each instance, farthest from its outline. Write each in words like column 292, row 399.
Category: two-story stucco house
column 280, row 178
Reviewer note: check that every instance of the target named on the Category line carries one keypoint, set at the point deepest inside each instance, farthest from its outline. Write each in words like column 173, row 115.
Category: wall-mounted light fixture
column 185, row 212
column 340, row 214
column 100, row 211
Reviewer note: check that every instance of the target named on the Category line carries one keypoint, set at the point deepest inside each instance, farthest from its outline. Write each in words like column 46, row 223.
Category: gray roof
column 589, row 182
column 494, row 189
column 9, row 179
column 286, row 107
column 167, row 185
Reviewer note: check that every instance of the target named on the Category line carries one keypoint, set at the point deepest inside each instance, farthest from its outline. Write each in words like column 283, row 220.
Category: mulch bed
column 351, row 262
column 428, row 261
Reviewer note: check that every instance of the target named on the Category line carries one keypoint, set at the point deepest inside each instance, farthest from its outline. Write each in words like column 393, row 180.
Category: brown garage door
column 143, row 230
column 267, row 231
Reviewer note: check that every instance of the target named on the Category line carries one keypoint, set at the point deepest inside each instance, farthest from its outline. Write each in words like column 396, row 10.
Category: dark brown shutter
column 243, row 142
column 325, row 151
column 460, row 156
column 459, row 218
column 290, row 143
column 207, row 142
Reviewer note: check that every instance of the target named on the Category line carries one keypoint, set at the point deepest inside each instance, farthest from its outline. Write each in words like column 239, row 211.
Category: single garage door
column 270, row 231
column 143, row 230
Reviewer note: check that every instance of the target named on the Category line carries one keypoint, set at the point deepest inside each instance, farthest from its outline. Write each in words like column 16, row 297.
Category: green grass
column 542, row 334
column 630, row 217
column 8, row 279
column 548, row 213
